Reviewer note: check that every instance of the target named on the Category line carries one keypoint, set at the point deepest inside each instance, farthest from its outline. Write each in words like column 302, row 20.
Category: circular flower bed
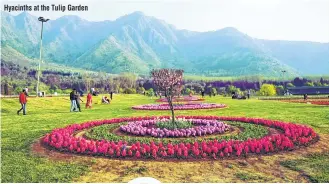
column 201, row 128
column 290, row 136
column 188, row 106
column 182, row 99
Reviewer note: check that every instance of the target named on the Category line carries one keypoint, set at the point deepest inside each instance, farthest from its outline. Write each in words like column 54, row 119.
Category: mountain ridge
column 137, row 42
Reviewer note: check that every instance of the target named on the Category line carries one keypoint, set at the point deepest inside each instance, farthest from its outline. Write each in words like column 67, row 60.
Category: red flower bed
column 320, row 102
column 316, row 102
column 292, row 136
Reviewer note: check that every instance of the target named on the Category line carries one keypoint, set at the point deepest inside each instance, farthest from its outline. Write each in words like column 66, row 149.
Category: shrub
column 231, row 89
column 214, row 91
column 317, row 84
column 130, row 91
column 267, row 90
column 66, row 91
column 18, row 90
column 187, row 91
column 150, row 92
column 140, row 90
column 290, row 84
column 121, row 90
column 309, row 84
column 279, row 90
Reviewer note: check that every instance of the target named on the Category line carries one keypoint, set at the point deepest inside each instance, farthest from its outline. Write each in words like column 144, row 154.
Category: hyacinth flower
column 186, row 106
column 292, row 136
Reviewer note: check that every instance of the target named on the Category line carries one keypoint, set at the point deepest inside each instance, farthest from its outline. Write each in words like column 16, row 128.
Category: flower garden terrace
column 289, row 136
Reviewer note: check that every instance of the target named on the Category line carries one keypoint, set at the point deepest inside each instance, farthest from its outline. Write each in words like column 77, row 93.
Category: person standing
column 23, row 101
column 27, row 91
column 89, row 101
column 73, row 100
column 78, row 99
column 202, row 93
column 248, row 94
column 111, row 95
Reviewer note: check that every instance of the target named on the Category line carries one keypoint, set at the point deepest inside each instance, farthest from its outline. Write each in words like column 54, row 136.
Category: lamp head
column 42, row 19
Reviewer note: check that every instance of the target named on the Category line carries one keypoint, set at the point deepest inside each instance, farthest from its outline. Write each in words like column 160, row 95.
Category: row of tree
column 15, row 78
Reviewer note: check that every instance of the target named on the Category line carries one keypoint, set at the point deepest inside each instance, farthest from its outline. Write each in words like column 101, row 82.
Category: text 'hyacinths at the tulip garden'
column 288, row 136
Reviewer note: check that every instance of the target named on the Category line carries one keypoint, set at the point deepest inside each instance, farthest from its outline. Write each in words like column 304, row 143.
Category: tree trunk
column 169, row 98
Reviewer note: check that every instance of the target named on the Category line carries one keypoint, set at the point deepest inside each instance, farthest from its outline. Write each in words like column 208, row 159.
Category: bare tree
column 169, row 81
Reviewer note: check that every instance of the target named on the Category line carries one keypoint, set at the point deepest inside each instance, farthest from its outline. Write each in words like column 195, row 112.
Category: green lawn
column 44, row 114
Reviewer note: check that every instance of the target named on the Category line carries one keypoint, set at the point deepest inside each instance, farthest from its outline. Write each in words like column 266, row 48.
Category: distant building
column 310, row 90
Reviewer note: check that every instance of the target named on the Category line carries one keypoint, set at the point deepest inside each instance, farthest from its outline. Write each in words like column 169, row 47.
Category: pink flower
column 138, row 155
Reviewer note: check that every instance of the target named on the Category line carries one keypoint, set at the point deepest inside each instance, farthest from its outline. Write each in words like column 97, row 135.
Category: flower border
column 292, row 137
column 313, row 102
column 164, row 100
column 151, row 107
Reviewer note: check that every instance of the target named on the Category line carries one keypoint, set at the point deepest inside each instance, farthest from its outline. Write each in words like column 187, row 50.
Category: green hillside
column 139, row 43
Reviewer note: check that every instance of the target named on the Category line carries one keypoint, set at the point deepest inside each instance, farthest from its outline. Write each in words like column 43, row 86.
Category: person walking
column 89, row 101
column 23, row 101
column 78, row 99
column 73, row 100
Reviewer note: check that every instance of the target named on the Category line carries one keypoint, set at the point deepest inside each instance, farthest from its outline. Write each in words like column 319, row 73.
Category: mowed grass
column 18, row 133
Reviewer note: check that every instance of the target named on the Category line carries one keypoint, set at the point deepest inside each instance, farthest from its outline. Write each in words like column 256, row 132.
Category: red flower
column 124, row 153
column 130, row 153
column 138, row 155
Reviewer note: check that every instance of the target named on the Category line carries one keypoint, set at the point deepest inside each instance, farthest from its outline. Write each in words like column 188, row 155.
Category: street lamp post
column 285, row 86
column 42, row 20
column 283, row 72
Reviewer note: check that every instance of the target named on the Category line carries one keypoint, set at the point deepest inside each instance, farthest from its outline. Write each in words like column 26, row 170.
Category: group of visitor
column 75, row 99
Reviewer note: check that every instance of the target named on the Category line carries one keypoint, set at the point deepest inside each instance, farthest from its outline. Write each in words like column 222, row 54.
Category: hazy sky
column 266, row 19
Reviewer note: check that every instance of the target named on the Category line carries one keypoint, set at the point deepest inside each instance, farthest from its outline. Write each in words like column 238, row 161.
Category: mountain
column 307, row 57
column 138, row 43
